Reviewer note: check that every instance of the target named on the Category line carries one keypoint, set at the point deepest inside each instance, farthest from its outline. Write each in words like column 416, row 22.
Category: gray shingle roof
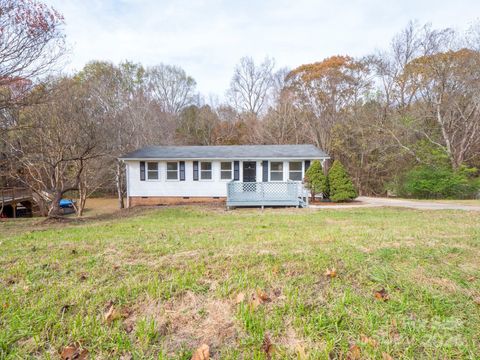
column 228, row 152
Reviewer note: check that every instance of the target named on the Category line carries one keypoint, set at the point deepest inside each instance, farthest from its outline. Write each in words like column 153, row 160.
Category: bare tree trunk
column 445, row 136
column 55, row 209
column 41, row 203
column 119, row 184
column 82, row 199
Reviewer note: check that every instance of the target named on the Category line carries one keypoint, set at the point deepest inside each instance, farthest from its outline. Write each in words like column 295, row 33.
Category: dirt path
column 413, row 204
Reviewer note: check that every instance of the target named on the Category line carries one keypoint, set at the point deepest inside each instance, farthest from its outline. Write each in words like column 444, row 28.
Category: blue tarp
column 66, row 203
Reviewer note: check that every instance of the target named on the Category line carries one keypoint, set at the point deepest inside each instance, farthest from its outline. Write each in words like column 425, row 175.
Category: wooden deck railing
column 9, row 194
column 281, row 193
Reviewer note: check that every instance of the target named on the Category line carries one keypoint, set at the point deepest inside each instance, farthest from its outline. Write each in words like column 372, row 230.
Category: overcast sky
column 208, row 37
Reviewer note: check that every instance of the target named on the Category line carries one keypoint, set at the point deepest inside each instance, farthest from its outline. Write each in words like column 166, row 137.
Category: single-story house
column 239, row 174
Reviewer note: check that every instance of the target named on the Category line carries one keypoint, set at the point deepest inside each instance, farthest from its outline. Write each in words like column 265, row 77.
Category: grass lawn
column 249, row 284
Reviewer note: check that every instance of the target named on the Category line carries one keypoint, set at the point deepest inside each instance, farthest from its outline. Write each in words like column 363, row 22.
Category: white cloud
column 207, row 37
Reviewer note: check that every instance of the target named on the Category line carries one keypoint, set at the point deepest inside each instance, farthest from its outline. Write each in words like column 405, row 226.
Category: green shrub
column 341, row 186
column 315, row 180
column 426, row 182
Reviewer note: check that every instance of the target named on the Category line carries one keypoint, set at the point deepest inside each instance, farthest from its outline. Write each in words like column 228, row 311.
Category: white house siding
column 188, row 188
column 164, row 187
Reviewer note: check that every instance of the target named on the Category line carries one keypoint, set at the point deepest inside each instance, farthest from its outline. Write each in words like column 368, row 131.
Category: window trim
column 297, row 171
column 147, row 171
column 231, row 170
column 276, row 171
column 200, row 178
column 171, row 171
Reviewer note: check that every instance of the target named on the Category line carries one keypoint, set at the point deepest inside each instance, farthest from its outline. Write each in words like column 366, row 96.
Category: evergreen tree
column 315, row 180
column 341, row 186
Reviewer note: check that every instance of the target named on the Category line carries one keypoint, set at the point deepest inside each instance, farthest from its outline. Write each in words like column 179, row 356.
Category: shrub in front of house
column 315, row 180
column 428, row 182
column 341, row 186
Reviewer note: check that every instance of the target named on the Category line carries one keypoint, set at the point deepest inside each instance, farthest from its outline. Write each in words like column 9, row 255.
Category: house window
column 205, row 171
column 226, row 171
column 295, row 170
column 172, row 170
column 276, row 171
column 152, row 171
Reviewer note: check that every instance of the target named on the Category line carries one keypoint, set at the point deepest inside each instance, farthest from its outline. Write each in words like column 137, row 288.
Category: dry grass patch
column 189, row 321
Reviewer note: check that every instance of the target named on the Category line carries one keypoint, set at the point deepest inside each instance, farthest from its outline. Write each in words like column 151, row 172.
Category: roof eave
column 229, row 158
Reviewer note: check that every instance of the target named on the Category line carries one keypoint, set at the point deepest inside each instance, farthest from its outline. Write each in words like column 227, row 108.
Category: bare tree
column 326, row 91
column 429, row 84
column 412, row 42
column 171, row 87
column 197, row 126
column 448, row 87
column 31, row 42
column 131, row 118
column 49, row 154
column 285, row 122
column 251, row 85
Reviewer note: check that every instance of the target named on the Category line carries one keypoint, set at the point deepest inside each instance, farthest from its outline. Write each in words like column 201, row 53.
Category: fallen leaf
column 109, row 314
column 354, row 352
column 471, row 278
column 331, row 273
column 112, row 314
column 476, row 300
column 202, row 353
column 267, row 346
column 385, row 356
column 258, row 298
column 262, row 295
column 369, row 341
column 240, row 298
column 82, row 277
column 73, row 352
column 382, row 295
column 5, row 306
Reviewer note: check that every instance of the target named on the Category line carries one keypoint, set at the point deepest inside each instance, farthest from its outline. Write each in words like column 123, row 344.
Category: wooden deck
column 10, row 198
column 281, row 193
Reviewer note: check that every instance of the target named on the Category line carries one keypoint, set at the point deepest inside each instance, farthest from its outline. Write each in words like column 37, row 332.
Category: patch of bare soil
column 61, row 220
column 121, row 213
column 190, row 321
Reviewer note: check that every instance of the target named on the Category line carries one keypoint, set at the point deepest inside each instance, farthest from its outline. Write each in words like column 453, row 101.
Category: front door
column 249, row 175
column 249, row 171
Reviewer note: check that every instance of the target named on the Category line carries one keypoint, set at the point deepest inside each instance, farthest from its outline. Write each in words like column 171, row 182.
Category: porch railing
column 13, row 193
column 284, row 193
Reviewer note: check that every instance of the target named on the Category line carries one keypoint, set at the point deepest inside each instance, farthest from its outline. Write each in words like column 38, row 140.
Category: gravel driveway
column 413, row 204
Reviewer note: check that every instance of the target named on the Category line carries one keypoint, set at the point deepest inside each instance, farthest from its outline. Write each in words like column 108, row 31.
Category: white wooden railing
column 281, row 193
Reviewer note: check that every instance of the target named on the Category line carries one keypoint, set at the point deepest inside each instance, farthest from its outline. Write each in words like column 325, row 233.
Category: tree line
column 412, row 108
